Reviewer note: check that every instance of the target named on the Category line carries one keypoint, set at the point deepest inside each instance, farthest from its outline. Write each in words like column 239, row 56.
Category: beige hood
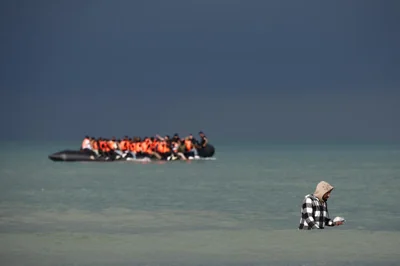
column 321, row 189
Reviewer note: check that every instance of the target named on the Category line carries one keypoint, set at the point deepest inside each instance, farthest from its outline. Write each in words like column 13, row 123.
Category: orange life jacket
column 95, row 146
column 188, row 145
column 163, row 148
column 123, row 145
column 160, row 147
column 111, row 144
column 148, row 149
column 154, row 144
column 104, row 146
column 144, row 146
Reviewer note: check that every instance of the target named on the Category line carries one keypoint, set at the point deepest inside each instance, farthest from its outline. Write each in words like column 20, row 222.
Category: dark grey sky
column 288, row 70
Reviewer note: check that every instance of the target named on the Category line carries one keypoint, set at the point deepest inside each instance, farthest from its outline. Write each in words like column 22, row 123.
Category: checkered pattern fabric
column 314, row 214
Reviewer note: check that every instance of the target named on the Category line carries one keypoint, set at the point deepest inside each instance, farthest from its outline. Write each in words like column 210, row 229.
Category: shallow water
column 241, row 209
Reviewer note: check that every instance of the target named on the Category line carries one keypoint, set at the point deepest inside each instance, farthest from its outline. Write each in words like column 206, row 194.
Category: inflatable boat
column 87, row 155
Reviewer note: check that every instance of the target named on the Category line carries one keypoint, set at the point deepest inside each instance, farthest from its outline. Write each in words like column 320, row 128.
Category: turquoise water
column 240, row 209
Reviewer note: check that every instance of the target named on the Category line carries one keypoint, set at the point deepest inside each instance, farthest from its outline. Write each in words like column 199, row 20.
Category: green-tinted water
column 240, row 209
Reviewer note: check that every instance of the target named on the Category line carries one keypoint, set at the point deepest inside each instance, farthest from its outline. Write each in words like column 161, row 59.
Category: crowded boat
column 136, row 148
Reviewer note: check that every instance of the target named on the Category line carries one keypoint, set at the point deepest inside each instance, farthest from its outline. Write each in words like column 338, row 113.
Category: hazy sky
column 287, row 70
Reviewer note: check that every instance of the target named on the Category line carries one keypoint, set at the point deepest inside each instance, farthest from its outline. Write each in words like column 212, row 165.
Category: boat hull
column 90, row 156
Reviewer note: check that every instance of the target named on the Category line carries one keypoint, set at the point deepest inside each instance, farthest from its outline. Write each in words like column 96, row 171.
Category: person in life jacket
column 131, row 147
column 138, row 147
column 163, row 149
column 117, row 149
column 104, row 149
column 188, row 145
column 112, row 145
column 148, row 148
column 123, row 146
column 95, row 146
column 159, row 147
column 154, row 142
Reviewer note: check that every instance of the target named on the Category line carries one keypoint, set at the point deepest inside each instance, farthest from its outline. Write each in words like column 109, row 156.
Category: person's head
column 201, row 134
column 323, row 191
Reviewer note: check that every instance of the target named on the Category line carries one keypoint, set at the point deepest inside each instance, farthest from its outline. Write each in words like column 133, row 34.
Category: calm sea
column 240, row 209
